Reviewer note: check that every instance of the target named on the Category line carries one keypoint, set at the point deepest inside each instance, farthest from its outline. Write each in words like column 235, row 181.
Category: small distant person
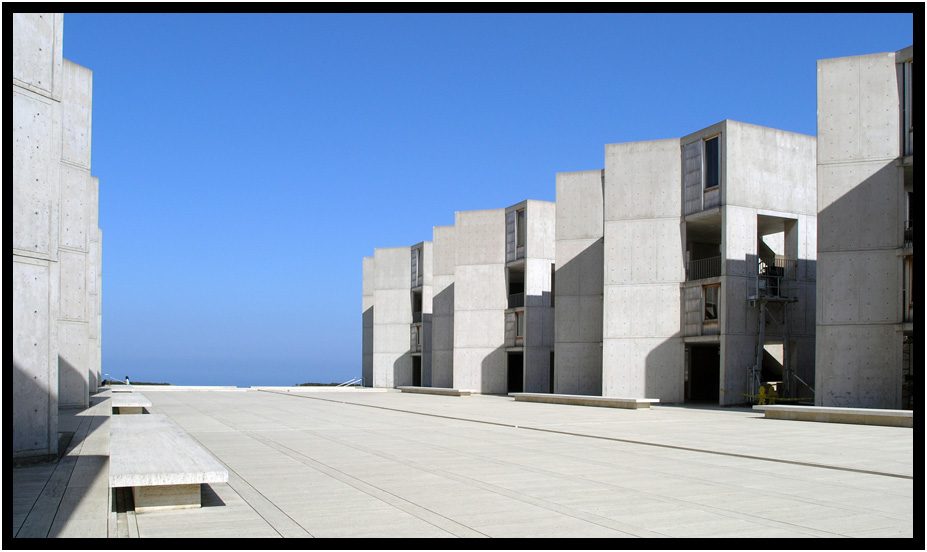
column 127, row 380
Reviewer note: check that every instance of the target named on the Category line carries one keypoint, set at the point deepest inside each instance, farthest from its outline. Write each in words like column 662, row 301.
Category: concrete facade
column 529, row 317
column 479, row 301
column 442, row 322
column 669, row 264
column 57, row 253
column 641, row 349
column 578, row 277
column 762, row 220
column 397, row 316
column 865, row 311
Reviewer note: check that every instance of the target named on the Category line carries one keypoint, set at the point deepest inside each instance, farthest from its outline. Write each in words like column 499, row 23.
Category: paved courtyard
column 390, row 464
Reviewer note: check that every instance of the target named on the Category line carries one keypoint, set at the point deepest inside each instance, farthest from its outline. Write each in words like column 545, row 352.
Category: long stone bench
column 584, row 400
column 129, row 403
column 162, row 464
column 840, row 415
column 435, row 390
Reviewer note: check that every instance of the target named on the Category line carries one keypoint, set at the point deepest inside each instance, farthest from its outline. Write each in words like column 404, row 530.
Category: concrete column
column 442, row 322
column 578, row 283
column 37, row 120
column 642, row 353
column 479, row 301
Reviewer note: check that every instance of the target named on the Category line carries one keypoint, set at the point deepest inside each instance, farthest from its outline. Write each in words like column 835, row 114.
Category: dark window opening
column 712, row 163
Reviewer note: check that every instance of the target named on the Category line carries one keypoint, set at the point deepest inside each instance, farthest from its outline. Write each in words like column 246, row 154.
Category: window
column 908, row 108
column 712, row 162
column 520, row 233
column 712, row 296
column 519, row 325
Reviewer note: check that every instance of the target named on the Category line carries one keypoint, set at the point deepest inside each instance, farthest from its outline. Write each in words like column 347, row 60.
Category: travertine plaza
column 580, row 368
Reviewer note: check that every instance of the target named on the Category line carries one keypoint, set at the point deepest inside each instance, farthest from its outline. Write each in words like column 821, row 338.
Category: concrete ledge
column 315, row 389
column 129, row 403
column 153, row 452
column 584, row 400
column 435, row 390
column 839, row 415
column 147, row 388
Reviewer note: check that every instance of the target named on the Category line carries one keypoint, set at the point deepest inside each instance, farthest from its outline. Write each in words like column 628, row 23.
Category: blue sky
column 248, row 163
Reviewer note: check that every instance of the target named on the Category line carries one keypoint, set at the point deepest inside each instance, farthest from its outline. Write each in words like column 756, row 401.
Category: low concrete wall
column 436, row 391
column 584, row 400
column 839, row 415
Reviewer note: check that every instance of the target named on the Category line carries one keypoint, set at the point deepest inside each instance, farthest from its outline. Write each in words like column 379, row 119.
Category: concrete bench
column 162, row 464
column 839, row 415
column 435, row 390
column 584, row 400
column 122, row 389
column 129, row 403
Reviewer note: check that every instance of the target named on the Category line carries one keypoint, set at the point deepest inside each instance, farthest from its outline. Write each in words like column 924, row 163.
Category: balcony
column 773, row 277
column 703, row 268
column 908, row 233
column 516, row 300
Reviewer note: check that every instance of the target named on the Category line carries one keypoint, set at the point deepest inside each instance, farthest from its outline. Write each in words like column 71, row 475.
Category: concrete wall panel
column 578, row 368
column 479, row 287
column 37, row 48
column 857, row 200
column 481, row 329
column 35, row 362
column 77, row 105
column 77, row 201
column 579, row 206
column 73, row 285
column 738, row 352
column 480, row 237
column 36, row 153
column 857, row 108
column 73, row 364
column 642, row 180
column 644, row 367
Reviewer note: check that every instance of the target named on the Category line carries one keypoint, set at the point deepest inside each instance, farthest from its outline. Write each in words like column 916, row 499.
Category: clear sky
column 248, row 163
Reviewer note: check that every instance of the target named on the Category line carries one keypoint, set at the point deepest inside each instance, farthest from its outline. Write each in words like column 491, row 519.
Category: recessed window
column 712, row 162
column 712, row 298
column 519, row 325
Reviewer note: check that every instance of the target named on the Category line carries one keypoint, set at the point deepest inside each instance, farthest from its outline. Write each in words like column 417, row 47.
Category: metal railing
column 516, row 300
column 909, row 232
column 352, row 381
column 703, row 268
column 772, row 277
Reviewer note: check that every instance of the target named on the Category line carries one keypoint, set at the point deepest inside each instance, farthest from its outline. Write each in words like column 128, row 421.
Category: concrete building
column 699, row 254
column 865, row 175
column 57, row 249
column 503, row 319
column 397, row 316
column 579, row 270
column 471, row 310
column 442, row 303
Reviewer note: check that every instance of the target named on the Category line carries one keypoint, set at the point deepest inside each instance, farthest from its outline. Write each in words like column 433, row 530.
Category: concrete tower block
column 442, row 352
column 642, row 351
column 578, row 283
column 37, row 116
column 479, row 301
column 392, row 314
column 367, row 308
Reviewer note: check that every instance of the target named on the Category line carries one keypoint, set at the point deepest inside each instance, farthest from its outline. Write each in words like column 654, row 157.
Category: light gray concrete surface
column 410, row 465
column 151, row 450
column 863, row 178
column 129, row 400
